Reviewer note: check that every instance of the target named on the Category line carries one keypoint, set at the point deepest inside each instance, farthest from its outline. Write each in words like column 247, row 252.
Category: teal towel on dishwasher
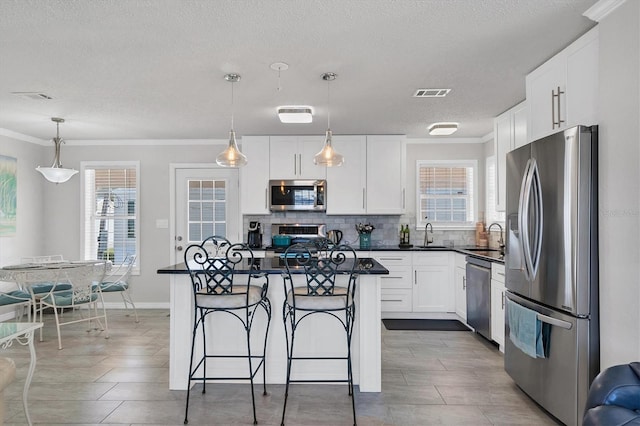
column 525, row 329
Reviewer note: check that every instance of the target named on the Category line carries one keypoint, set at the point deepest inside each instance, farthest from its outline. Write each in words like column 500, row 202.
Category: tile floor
column 428, row 378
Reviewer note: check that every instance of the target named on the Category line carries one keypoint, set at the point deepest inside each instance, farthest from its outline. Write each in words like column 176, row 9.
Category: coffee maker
column 254, row 237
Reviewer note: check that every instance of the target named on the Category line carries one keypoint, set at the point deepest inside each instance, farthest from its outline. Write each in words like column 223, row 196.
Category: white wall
column 29, row 227
column 30, row 206
column 619, row 185
column 62, row 222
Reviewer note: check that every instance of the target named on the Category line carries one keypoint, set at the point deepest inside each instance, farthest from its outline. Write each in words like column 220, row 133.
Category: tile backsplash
column 386, row 231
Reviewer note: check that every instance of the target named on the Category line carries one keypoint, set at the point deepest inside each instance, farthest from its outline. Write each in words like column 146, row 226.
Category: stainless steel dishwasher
column 479, row 295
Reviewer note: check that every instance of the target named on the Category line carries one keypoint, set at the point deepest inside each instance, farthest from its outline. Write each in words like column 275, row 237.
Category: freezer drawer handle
column 556, row 322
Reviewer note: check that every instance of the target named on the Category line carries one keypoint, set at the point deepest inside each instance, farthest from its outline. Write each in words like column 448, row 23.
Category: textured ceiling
column 153, row 69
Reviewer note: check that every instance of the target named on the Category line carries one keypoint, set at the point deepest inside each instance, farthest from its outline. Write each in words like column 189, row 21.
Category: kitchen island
column 320, row 339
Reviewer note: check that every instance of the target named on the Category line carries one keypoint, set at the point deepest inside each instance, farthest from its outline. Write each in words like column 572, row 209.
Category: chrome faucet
column 427, row 240
column 500, row 240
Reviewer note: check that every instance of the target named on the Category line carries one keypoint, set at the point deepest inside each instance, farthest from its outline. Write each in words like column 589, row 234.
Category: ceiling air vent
column 34, row 96
column 431, row 93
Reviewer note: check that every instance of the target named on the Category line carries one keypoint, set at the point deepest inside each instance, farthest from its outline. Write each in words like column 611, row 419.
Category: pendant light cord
column 232, row 105
column 328, row 104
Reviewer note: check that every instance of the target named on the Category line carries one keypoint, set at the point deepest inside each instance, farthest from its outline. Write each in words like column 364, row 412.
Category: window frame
column 490, row 184
column 84, row 165
column 466, row 163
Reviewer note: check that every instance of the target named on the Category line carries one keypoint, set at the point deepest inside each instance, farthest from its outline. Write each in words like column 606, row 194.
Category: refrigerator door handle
column 553, row 321
column 523, row 218
column 538, row 219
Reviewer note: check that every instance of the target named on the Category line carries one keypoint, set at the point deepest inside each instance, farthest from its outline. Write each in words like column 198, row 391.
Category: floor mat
column 424, row 324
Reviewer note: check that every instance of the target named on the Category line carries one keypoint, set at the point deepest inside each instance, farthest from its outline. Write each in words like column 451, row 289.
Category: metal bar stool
column 217, row 287
column 323, row 265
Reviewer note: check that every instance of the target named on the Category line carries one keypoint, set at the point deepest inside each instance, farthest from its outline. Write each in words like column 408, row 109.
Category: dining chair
column 119, row 281
column 37, row 289
column 319, row 281
column 218, row 288
column 82, row 297
column 14, row 295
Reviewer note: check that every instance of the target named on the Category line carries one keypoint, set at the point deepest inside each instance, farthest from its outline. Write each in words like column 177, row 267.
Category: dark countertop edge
column 460, row 249
column 181, row 268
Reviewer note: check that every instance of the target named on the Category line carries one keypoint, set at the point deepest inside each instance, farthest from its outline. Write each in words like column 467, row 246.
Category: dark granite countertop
column 275, row 265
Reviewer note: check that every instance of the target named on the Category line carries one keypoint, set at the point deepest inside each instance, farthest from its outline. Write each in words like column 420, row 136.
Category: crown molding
column 601, row 9
column 22, row 137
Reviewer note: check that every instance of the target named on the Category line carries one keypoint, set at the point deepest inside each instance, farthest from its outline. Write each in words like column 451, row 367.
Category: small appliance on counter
column 254, row 237
column 335, row 236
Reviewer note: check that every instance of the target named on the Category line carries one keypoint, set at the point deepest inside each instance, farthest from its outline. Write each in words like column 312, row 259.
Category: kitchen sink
column 479, row 249
column 432, row 247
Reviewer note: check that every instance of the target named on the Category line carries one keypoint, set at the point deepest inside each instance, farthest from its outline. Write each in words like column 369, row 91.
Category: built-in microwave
column 297, row 195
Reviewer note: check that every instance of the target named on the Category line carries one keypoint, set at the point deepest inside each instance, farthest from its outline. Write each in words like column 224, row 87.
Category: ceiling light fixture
column 231, row 157
column 443, row 129
column 56, row 173
column 295, row 114
column 327, row 155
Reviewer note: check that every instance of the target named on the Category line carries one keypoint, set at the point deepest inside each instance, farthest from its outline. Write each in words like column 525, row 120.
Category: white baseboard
column 139, row 305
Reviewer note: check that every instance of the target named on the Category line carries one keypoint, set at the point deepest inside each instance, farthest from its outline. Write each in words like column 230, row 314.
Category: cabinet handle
column 464, row 283
column 403, row 198
column 556, row 98
column 266, row 198
column 295, row 164
column 364, row 195
column 500, row 273
column 391, row 278
column 391, row 300
column 415, row 277
column 300, row 163
column 390, row 258
column 503, row 301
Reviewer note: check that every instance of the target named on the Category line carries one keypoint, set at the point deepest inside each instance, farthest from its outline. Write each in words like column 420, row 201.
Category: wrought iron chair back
column 322, row 266
column 212, row 267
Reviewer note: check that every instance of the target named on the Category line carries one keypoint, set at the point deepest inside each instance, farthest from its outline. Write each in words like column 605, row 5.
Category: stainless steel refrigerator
column 551, row 264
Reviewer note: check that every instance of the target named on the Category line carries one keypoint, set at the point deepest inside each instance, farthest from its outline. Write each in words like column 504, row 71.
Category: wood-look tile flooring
column 428, row 378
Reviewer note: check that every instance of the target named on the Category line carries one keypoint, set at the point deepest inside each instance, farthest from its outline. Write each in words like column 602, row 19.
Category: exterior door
column 206, row 204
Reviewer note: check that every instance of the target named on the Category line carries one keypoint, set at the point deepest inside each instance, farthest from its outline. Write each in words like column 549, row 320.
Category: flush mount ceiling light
column 443, row 129
column 56, row 173
column 327, row 155
column 231, row 157
column 295, row 114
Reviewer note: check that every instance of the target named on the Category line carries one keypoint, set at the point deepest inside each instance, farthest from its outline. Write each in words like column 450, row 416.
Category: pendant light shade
column 328, row 156
column 231, row 157
column 56, row 173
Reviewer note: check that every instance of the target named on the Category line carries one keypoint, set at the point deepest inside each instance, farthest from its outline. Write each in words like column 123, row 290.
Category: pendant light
column 231, row 157
column 328, row 156
column 56, row 173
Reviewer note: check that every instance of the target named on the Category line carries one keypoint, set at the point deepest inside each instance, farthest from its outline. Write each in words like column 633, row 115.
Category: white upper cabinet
column 254, row 177
column 346, row 184
column 386, row 193
column 509, row 133
column 291, row 157
column 562, row 92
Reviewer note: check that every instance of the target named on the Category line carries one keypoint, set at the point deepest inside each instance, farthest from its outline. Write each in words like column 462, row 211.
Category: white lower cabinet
column 461, row 285
column 396, row 289
column 433, row 289
column 498, row 304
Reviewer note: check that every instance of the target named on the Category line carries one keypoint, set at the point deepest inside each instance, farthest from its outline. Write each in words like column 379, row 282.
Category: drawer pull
column 391, row 278
column 392, row 300
column 391, row 258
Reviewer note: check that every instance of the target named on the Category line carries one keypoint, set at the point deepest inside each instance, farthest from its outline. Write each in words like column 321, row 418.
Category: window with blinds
column 111, row 210
column 446, row 193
